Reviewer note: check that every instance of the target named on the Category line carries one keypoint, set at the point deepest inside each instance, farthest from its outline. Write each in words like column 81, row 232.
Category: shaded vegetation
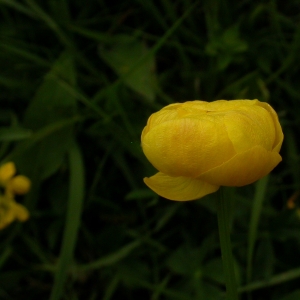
column 78, row 81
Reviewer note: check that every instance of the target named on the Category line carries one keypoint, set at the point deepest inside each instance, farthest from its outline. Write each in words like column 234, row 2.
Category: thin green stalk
column 73, row 218
column 260, row 192
column 223, row 211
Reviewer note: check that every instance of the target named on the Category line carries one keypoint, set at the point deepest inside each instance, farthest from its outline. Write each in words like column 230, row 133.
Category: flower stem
column 224, row 220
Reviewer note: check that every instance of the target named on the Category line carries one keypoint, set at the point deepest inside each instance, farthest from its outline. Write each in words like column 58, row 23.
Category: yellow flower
column 198, row 146
column 10, row 210
column 7, row 171
column 18, row 185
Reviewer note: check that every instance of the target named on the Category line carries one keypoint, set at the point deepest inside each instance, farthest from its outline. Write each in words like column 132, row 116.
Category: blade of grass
column 111, row 258
column 19, row 7
column 35, row 248
column 151, row 8
column 42, row 133
column 76, row 196
column 170, row 293
column 260, row 193
column 14, row 133
column 82, row 98
column 224, row 218
column 160, row 288
column 277, row 279
column 125, row 169
column 62, row 36
column 170, row 12
column 24, row 53
column 50, row 22
column 288, row 59
column 7, row 252
column 111, row 288
column 168, row 214
column 113, row 96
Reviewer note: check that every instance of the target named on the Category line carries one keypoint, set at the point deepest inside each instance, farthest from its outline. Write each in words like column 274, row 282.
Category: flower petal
column 278, row 129
column 21, row 212
column 244, row 168
column 7, row 171
column 188, row 147
column 250, row 126
column 18, row 185
column 179, row 188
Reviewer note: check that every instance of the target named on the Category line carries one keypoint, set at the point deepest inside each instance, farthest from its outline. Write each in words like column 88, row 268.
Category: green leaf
column 112, row 258
column 140, row 194
column 214, row 270
column 186, row 261
column 52, row 102
column 14, row 133
column 123, row 54
column 51, row 105
column 226, row 46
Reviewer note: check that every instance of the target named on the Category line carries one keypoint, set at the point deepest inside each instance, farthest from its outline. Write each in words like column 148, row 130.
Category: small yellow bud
column 7, row 171
column 19, row 185
column 13, row 185
column 7, row 217
column 21, row 212
column 11, row 211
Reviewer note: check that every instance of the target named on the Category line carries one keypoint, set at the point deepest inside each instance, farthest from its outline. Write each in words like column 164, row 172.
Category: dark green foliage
column 78, row 81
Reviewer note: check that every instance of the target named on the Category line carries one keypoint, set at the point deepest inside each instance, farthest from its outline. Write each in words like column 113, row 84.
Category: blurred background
column 79, row 80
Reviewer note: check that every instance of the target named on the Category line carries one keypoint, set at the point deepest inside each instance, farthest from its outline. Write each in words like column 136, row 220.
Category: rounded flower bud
column 19, row 185
column 7, row 171
column 21, row 212
column 198, row 146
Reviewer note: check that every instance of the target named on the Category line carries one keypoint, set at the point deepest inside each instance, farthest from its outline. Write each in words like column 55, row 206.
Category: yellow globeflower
column 198, row 146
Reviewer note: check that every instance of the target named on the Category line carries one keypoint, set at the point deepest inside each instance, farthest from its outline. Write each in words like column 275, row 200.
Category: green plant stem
column 260, row 193
column 223, row 211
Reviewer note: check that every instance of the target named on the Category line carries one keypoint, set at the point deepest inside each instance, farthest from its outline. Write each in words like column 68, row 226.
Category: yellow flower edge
column 244, row 168
column 235, row 172
column 179, row 188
